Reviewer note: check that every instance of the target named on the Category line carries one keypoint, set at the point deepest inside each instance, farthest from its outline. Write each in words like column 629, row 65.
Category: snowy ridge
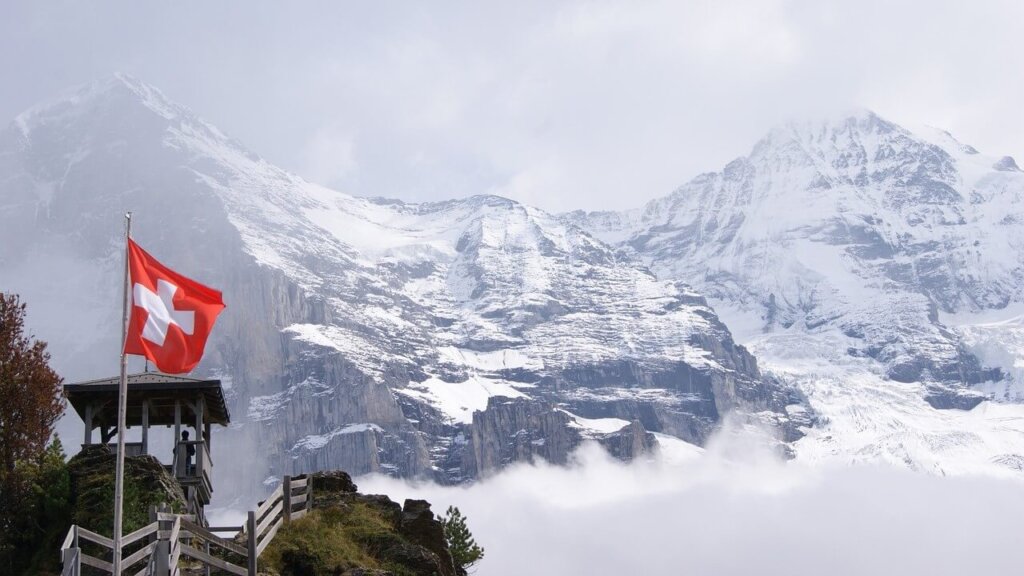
column 859, row 259
column 347, row 311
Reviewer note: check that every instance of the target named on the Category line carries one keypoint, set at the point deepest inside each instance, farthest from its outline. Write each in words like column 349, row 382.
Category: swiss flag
column 171, row 317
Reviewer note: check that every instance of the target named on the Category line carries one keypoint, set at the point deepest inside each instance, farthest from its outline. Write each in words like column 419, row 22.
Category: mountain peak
column 118, row 91
column 855, row 123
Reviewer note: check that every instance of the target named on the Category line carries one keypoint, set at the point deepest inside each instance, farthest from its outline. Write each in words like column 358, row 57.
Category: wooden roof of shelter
column 160, row 390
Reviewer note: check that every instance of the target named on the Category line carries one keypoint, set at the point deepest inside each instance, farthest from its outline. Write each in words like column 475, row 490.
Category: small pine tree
column 464, row 549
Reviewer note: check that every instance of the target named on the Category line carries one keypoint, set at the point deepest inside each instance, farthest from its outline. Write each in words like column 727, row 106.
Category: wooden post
column 145, row 426
column 309, row 492
column 251, row 528
column 198, row 410
column 88, row 423
column 73, row 558
column 177, row 436
column 286, row 490
column 163, row 545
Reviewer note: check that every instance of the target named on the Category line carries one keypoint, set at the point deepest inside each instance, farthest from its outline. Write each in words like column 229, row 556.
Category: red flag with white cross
column 171, row 315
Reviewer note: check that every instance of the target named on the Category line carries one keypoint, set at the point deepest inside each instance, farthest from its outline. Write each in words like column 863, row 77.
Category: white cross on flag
column 172, row 316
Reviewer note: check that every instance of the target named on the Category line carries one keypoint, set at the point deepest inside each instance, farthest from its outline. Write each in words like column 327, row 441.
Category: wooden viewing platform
column 156, row 399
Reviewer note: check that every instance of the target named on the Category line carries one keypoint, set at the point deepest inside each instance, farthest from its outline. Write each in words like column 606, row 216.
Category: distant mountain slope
column 442, row 339
column 853, row 248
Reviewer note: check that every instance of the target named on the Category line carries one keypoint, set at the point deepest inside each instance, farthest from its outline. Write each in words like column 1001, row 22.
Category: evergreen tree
column 464, row 549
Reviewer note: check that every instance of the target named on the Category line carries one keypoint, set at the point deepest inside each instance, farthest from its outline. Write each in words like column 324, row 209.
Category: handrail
column 270, row 501
column 96, row 562
column 291, row 500
column 170, row 517
column 144, row 552
column 213, row 538
column 274, row 514
column 140, row 533
column 212, row 560
column 91, row 536
column 261, row 546
column 225, row 528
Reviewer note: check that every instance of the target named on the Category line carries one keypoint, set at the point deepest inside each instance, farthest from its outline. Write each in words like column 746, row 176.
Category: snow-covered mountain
column 443, row 339
column 879, row 269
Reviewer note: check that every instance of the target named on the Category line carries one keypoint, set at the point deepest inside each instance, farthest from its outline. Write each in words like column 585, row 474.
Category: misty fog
column 730, row 512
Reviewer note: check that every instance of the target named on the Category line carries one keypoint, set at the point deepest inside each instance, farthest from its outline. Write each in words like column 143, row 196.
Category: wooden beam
column 139, row 554
column 213, row 561
column 145, row 426
column 96, row 563
column 197, row 409
column 269, row 537
column 216, row 540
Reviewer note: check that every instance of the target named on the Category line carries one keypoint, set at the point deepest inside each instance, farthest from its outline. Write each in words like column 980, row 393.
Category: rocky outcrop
column 517, row 430
column 352, row 534
column 146, row 484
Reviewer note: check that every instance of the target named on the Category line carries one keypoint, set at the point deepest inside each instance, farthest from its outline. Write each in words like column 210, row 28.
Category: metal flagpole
column 122, row 401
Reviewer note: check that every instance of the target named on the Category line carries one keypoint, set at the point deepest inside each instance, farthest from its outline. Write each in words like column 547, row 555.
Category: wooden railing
column 74, row 558
column 194, row 468
column 174, row 536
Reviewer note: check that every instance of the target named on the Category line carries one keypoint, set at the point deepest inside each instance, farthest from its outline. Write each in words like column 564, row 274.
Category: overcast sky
column 559, row 104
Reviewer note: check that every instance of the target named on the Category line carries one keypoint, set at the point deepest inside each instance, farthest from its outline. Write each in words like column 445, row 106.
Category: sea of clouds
column 734, row 510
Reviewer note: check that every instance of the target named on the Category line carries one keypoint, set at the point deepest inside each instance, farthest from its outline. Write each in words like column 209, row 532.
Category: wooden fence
column 170, row 537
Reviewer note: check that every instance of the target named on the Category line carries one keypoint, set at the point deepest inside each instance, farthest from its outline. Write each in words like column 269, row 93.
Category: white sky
column 560, row 104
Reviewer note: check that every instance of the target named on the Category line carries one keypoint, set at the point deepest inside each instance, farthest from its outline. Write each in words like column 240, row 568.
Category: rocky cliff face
column 440, row 339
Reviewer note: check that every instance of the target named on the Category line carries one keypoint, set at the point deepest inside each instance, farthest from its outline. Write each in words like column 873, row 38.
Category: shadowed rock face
column 360, row 334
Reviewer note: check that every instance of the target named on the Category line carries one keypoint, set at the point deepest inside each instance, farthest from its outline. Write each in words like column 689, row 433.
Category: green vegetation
column 40, row 515
column 336, row 539
column 464, row 549
column 34, row 484
column 54, row 494
column 146, row 484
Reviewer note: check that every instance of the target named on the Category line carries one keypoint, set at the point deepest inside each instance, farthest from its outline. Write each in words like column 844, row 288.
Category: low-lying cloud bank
column 724, row 514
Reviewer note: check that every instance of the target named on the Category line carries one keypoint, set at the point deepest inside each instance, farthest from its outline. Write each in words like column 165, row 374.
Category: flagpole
column 122, row 406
